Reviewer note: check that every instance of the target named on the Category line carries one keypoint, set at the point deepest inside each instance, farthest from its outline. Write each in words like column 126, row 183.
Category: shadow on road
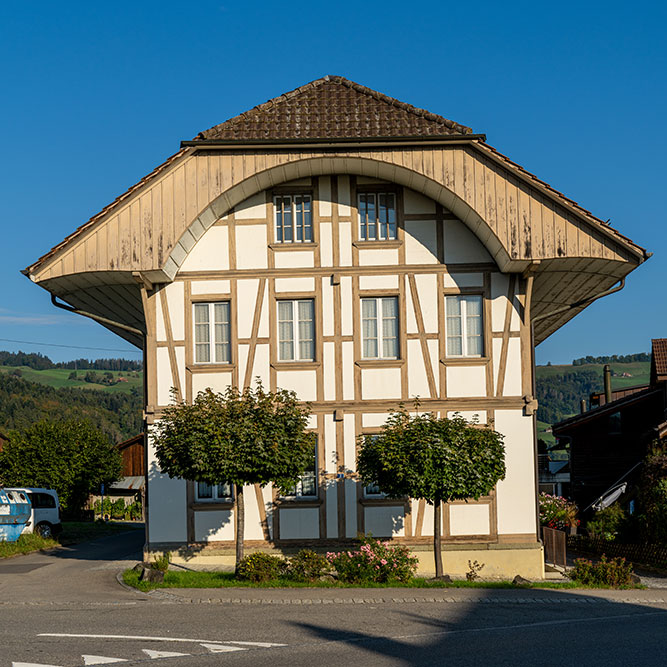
column 126, row 545
column 507, row 628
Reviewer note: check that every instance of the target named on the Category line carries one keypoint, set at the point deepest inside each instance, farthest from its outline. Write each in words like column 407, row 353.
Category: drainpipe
column 97, row 318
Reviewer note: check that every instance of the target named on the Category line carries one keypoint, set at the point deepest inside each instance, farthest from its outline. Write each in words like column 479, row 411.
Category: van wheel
column 44, row 530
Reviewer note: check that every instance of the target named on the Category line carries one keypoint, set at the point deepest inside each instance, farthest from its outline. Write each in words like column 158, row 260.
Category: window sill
column 206, row 506
column 204, row 367
column 286, row 503
column 295, row 365
column 394, row 243
column 465, row 361
column 374, row 502
column 294, row 245
column 380, row 363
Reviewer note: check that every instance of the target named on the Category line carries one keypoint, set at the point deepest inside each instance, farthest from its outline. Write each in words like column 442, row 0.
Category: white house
column 362, row 252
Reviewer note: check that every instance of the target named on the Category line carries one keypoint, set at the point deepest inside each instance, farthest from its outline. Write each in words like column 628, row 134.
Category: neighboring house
column 362, row 252
column 609, row 441
column 132, row 486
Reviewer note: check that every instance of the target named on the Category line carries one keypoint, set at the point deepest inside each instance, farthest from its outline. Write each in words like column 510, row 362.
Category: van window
column 42, row 500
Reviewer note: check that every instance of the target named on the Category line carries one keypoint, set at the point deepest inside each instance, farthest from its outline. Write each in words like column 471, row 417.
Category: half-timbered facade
column 363, row 253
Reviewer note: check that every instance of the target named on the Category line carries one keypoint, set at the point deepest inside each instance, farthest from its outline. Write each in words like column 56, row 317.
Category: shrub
column 557, row 512
column 307, row 566
column 260, row 567
column 374, row 561
column 161, row 563
column 615, row 572
column 607, row 523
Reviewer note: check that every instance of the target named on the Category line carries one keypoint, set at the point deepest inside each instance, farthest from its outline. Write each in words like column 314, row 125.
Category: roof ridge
column 334, row 78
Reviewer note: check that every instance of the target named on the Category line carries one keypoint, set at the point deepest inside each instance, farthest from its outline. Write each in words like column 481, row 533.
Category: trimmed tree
column 437, row 460
column 239, row 438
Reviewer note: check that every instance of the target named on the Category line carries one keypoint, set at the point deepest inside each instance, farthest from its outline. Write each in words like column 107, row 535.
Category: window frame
column 296, row 338
column 211, row 332
column 293, row 195
column 379, row 318
column 377, row 192
column 462, row 297
column 215, row 498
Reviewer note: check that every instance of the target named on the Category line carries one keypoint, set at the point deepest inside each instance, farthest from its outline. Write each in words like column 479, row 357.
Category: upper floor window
column 296, row 330
column 213, row 492
column 212, row 333
column 464, row 326
column 294, row 218
column 379, row 326
column 377, row 216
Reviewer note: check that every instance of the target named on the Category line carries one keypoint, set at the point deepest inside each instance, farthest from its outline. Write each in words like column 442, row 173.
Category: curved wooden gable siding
column 144, row 231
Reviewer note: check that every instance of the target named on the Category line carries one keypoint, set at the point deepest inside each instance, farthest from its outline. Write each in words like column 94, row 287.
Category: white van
column 45, row 511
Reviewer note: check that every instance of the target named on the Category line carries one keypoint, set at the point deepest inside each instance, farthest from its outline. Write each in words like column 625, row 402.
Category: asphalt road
column 68, row 609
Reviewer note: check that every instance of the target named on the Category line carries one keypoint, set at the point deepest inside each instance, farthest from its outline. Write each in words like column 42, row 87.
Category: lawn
column 59, row 377
column 639, row 371
column 73, row 533
column 190, row 579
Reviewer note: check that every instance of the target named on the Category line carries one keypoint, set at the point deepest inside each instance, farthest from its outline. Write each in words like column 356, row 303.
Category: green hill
column 118, row 413
column 561, row 388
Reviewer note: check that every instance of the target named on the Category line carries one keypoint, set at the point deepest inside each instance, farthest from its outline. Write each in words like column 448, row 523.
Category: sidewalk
column 375, row 596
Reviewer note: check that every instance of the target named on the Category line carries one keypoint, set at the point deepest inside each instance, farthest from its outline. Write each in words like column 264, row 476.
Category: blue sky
column 97, row 94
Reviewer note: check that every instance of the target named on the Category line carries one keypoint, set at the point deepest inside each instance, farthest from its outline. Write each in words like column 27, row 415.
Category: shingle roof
column 659, row 355
column 332, row 108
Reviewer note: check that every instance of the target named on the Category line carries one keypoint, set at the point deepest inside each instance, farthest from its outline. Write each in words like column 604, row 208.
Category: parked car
column 45, row 511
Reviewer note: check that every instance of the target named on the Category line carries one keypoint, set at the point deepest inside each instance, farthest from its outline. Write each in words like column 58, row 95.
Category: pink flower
column 383, row 561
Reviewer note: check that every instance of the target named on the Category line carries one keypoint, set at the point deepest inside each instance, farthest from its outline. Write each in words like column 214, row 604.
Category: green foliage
column 608, row 522
column 559, row 395
column 374, row 561
column 161, row 563
column 615, row 572
column 258, row 567
column 307, row 565
column 22, row 403
column 613, row 359
column 652, row 496
column 249, row 437
column 118, row 509
column 557, row 512
column 71, row 457
column 25, row 544
column 40, row 362
column 435, row 459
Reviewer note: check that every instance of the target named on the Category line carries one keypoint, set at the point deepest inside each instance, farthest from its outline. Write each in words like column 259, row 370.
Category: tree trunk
column 437, row 537
column 240, row 522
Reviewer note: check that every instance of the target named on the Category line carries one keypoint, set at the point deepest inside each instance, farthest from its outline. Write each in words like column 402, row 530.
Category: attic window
column 377, row 216
column 294, row 218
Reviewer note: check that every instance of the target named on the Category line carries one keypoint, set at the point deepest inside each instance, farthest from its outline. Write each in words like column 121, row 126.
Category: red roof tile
column 659, row 350
column 333, row 108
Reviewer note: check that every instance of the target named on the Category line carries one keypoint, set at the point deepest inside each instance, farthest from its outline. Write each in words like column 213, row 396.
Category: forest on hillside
column 41, row 362
column 560, row 395
column 22, row 403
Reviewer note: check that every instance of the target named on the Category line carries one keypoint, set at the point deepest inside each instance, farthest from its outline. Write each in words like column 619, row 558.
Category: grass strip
column 189, row 579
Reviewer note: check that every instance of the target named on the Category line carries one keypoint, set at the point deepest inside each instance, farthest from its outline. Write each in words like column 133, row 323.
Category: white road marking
column 158, row 639
column 258, row 644
column 221, row 648
column 100, row 660
column 162, row 654
column 148, row 638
